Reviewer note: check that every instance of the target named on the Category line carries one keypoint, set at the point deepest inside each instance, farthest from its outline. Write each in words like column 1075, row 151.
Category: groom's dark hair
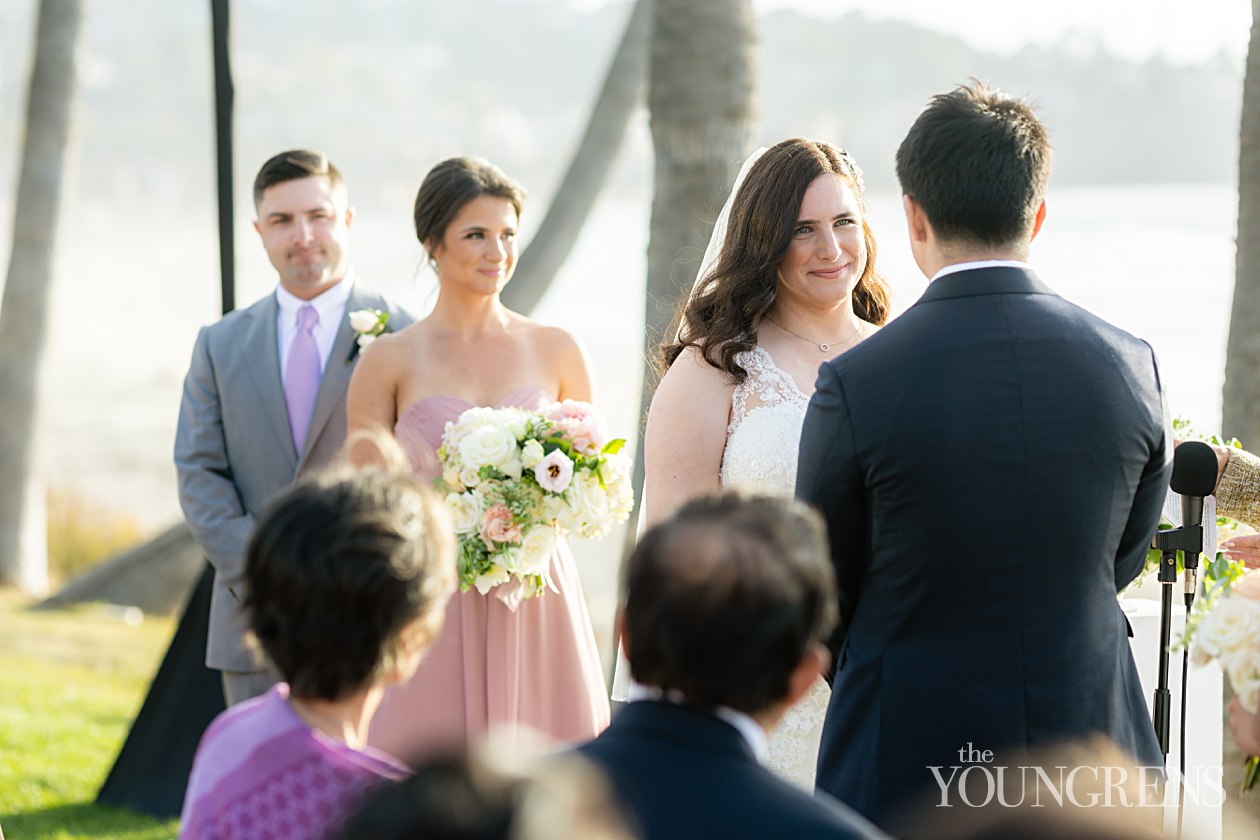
column 295, row 165
column 725, row 599
column 977, row 161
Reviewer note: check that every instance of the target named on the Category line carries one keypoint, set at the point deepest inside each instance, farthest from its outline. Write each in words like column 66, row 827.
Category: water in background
column 134, row 286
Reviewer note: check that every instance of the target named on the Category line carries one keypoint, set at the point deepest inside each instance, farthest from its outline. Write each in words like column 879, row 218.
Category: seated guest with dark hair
column 348, row 580
column 493, row 793
column 726, row 605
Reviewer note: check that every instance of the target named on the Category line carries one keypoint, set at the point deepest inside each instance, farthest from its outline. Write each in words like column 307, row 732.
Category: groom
column 991, row 466
column 265, row 397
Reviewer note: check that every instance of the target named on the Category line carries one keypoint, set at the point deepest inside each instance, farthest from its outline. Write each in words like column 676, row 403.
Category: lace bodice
column 762, row 443
column 767, row 413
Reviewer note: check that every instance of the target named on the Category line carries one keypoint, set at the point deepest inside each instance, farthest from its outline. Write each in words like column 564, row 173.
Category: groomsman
column 264, row 399
column 991, row 466
column 726, row 608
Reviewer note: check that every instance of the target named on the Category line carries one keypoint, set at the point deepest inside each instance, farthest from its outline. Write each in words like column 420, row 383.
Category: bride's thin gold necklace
column 822, row 348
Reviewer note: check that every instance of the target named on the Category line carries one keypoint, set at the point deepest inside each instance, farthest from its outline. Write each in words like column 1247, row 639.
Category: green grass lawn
column 70, row 683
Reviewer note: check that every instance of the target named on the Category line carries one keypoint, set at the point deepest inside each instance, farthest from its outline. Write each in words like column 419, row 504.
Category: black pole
column 223, row 96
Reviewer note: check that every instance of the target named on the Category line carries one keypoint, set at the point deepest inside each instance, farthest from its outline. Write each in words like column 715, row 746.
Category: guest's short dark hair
column 295, row 165
column 977, row 161
column 452, row 184
column 345, row 575
column 724, row 599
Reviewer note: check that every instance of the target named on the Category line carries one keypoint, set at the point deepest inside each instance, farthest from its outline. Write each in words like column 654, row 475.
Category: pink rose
column 580, row 424
column 498, row 526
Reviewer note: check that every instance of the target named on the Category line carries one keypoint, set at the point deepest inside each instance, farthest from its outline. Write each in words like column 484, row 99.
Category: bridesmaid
column 497, row 663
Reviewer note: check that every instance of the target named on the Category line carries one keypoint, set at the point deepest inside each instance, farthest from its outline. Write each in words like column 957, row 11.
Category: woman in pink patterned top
column 347, row 583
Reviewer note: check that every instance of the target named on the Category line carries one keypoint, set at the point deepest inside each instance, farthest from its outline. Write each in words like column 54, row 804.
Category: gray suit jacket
column 234, row 451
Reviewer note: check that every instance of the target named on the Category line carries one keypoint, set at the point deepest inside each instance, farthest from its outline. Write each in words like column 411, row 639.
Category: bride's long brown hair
column 723, row 313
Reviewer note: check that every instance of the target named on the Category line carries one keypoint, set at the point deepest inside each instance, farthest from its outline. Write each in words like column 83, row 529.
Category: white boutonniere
column 367, row 324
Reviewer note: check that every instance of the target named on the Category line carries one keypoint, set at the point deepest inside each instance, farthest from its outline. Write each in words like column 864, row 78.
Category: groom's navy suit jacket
column 991, row 466
column 681, row 773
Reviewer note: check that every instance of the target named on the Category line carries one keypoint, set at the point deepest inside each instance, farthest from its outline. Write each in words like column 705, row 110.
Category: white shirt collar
column 749, row 729
column 968, row 266
column 327, row 303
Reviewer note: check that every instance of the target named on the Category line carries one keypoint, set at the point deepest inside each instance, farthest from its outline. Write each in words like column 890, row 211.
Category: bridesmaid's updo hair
column 452, row 184
column 722, row 315
column 347, row 577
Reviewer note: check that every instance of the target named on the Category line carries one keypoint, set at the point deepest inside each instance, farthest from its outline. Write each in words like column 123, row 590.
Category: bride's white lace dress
column 767, row 413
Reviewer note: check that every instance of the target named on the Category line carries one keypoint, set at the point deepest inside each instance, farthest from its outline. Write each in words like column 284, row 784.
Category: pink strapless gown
column 537, row 665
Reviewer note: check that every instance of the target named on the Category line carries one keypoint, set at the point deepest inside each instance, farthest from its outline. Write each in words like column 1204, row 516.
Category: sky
column 1182, row 31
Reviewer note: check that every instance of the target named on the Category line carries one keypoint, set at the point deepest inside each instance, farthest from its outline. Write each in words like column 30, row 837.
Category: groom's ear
column 916, row 219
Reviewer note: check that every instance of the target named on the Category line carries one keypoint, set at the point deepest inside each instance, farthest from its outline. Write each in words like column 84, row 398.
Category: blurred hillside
column 388, row 87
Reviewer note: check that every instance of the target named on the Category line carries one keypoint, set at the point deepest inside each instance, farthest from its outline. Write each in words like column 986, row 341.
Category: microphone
column 1193, row 477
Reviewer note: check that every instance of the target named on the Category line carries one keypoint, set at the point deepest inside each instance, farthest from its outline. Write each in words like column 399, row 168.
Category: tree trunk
column 620, row 96
column 24, row 312
column 702, row 95
column 1240, row 415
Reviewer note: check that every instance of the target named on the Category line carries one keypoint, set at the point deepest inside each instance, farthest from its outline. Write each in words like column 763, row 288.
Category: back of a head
column 977, row 161
column 724, row 599
column 482, row 796
column 344, row 575
column 295, row 165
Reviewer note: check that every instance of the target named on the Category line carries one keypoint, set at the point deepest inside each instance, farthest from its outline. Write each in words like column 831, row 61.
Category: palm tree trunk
column 702, row 95
column 24, row 312
column 1241, row 410
column 618, row 99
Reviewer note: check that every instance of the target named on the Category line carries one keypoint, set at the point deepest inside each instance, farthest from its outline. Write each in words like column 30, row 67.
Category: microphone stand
column 1190, row 540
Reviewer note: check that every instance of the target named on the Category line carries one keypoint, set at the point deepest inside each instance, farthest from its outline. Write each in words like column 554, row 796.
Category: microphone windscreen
column 1194, row 469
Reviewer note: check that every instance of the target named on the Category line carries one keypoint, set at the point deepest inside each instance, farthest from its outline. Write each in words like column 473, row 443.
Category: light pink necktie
column 301, row 375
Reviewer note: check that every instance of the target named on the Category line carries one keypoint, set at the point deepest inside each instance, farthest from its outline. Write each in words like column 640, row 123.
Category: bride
column 788, row 283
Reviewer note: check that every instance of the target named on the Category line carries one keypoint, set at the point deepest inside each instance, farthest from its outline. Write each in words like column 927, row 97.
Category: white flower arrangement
column 517, row 480
column 1230, row 635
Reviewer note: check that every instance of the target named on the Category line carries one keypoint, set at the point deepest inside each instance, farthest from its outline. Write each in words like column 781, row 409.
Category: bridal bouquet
column 1230, row 634
column 516, row 480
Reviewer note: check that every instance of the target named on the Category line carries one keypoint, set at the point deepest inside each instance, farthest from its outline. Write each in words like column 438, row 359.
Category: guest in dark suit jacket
column 265, row 400
column 726, row 606
column 991, row 466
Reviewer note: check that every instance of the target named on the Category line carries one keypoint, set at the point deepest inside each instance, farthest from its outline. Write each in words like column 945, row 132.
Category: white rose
column 515, row 421
column 492, row 577
column 1233, row 625
column 1243, row 668
column 531, row 454
column 468, row 477
column 616, row 472
column 362, row 320
column 536, row 550
column 590, row 505
column 364, row 340
column 487, row 446
column 466, row 511
column 512, row 466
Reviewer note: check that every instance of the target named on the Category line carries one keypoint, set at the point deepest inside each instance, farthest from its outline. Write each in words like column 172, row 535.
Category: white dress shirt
column 749, row 729
column 330, row 305
column 968, row 266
